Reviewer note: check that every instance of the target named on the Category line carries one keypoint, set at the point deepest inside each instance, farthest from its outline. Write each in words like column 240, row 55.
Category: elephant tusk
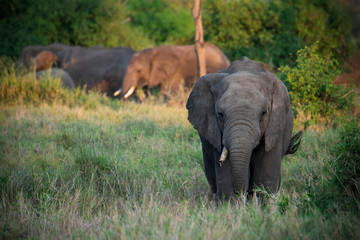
column 117, row 92
column 128, row 94
column 223, row 156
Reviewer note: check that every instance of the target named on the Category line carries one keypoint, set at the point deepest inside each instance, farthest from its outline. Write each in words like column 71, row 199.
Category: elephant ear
column 280, row 107
column 163, row 65
column 201, row 109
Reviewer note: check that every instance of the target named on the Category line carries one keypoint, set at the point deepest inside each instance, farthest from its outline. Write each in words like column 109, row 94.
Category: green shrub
column 163, row 21
column 311, row 86
column 346, row 164
column 83, row 22
column 273, row 31
column 330, row 175
column 23, row 88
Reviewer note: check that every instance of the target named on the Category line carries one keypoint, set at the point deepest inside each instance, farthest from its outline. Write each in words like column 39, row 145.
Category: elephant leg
column 164, row 90
column 266, row 168
column 223, row 178
column 209, row 163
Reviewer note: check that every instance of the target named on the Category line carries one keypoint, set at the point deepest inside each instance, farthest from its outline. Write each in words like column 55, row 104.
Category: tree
column 199, row 38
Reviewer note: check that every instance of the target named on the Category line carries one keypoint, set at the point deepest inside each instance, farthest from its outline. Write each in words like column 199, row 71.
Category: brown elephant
column 169, row 66
column 44, row 60
column 245, row 122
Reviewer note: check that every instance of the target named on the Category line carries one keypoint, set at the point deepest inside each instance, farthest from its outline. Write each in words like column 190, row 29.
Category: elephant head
column 44, row 60
column 246, row 111
column 138, row 73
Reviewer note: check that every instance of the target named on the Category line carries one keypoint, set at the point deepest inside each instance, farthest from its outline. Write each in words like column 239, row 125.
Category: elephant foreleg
column 266, row 168
column 209, row 163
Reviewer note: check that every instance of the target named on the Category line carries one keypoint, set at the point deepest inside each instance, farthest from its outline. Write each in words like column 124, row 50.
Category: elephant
column 27, row 55
column 53, row 73
column 94, row 67
column 168, row 66
column 44, row 60
column 244, row 119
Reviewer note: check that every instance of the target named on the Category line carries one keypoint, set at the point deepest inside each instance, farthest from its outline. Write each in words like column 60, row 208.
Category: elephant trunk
column 240, row 154
column 241, row 138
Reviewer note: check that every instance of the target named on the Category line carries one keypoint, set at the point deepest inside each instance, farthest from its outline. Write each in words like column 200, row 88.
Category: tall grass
column 99, row 168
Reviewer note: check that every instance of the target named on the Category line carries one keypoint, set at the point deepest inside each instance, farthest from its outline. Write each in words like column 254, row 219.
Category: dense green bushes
column 346, row 164
column 268, row 31
column 273, row 31
column 333, row 185
column 311, row 88
column 23, row 88
column 163, row 21
column 84, row 22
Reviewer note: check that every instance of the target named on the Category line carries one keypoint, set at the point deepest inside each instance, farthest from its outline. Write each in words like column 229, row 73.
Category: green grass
column 86, row 166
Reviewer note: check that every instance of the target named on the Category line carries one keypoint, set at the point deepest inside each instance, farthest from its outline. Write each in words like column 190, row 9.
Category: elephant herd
column 119, row 70
column 241, row 111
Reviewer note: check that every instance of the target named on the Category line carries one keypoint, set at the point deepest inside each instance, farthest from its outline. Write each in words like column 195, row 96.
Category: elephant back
column 216, row 60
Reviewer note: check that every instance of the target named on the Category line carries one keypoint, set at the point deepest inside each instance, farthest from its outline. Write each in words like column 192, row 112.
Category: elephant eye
column 139, row 70
column 221, row 115
column 263, row 113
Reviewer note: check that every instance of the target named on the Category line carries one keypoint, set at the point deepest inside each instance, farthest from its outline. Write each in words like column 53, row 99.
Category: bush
column 331, row 172
column 23, row 88
column 83, row 22
column 273, row 31
column 311, row 86
column 346, row 164
column 162, row 21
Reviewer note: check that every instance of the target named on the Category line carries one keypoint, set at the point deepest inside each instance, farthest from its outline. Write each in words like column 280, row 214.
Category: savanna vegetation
column 77, row 164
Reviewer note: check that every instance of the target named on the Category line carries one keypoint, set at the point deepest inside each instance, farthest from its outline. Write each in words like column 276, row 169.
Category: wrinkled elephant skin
column 245, row 110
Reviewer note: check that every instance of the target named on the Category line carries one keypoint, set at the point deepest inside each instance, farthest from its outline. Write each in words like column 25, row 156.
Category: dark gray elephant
column 52, row 73
column 94, row 67
column 28, row 54
column 245, row 121
column 168, row 66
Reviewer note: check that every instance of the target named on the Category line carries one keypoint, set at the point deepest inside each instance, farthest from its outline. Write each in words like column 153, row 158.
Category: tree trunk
column 199, row 39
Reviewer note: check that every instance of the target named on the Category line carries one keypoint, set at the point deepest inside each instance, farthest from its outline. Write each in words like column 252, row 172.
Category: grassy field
column 97, row 168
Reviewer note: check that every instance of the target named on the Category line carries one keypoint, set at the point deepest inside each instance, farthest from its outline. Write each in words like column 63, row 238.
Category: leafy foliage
column 311, row 86
column 253, row 24
column 346, row 162
column 23, row 88
column 84, row 22
column 273, row 31
column 331, row 172
column 162, row 21
column 267, row 31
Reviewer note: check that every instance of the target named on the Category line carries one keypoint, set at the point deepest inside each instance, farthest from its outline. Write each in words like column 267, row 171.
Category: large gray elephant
column 245, row 122
column 168, row 66
column 94, row 67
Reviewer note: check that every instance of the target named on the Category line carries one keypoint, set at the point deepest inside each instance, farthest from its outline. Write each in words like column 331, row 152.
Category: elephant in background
column 97, row 68
column 245, row 122
column 44, row 60
column 94, row 67
column 28, row 54
column 168, row 66
column 53, row 73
